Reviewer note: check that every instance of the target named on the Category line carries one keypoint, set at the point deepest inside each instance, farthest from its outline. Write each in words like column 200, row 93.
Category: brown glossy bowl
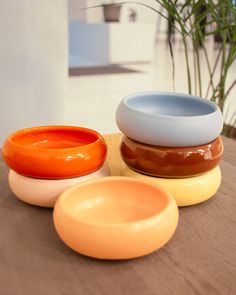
column 171, row 162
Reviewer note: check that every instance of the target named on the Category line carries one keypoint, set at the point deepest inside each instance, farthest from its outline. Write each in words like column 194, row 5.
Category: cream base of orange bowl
column 44, row 192
column 186, row 191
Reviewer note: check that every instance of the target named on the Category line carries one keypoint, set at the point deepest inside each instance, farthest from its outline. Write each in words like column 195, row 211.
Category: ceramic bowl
column 54, row 152
column 115, row 218
column 44, row 192
column 186, row 191
column 171, row 162
column 169, row 119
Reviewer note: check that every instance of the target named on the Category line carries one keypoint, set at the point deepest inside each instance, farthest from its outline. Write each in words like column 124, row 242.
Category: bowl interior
column 54, row 138
column 170, row 105
column 115, row 201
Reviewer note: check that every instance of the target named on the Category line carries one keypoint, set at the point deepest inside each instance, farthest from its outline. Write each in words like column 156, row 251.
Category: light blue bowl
column 169, row 119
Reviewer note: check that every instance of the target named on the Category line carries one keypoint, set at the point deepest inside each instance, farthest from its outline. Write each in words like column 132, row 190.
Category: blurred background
column 72, row 61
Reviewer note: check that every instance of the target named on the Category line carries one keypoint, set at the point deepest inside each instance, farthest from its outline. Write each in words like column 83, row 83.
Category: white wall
column 33, row 59
column 92, row 44
column 74, row 10
column 144, row 15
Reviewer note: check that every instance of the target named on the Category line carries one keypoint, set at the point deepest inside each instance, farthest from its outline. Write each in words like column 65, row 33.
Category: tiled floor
column 93, row 99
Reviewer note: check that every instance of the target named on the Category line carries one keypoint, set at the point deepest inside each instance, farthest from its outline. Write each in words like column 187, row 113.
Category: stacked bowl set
column 172, row 149
column 173, row 140
column 46, row 160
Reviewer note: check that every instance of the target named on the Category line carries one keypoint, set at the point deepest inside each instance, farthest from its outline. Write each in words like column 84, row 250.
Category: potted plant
column 111, row 11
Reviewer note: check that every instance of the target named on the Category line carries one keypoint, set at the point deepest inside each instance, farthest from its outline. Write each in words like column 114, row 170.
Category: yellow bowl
column 115, row 218
column 186, row 191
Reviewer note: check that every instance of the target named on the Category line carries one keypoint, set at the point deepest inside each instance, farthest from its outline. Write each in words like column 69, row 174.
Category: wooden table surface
column 199, row 259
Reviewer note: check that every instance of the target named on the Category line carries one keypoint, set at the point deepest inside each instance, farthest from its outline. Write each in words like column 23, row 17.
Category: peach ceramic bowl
column 171, row 162
column 115, row 218
column 54, row 152
column 44, row 192
column 185, row 191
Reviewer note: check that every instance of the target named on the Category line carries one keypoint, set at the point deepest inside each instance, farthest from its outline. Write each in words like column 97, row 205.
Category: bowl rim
column 173, row 94
column 34, row 129
column 62, row 199
column 182, row 149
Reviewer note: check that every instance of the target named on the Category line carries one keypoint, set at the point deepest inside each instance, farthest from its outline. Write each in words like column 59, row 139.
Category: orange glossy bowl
column 54, row 152
column 171, row 162
column 115, row 218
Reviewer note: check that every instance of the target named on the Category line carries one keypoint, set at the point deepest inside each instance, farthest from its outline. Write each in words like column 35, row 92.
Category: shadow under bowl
column 115, row 218
column 45, row 192
column 171, row 162
column 185, row 191
column 54, row 152
column 169, row 119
